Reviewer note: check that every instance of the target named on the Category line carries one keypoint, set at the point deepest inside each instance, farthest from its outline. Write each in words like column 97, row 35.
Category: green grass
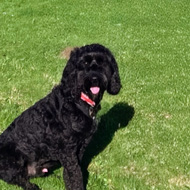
column 150, row 40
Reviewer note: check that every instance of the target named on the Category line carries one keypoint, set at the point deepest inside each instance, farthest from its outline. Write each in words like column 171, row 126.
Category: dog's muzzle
column 94, row 83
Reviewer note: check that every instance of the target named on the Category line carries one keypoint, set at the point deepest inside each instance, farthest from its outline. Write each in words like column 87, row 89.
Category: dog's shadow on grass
column 117, row 117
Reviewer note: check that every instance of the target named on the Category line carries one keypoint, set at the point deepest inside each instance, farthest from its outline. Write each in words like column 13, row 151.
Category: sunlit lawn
column 144, row 140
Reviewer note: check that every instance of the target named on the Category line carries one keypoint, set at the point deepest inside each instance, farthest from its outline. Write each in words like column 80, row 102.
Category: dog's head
column 91, row 70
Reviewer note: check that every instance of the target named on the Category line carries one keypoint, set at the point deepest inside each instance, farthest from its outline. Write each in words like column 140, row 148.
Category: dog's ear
column 114, row 84
column 70, row 68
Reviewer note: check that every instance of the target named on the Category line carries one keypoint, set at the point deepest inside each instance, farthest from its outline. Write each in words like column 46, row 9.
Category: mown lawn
column 144, row 139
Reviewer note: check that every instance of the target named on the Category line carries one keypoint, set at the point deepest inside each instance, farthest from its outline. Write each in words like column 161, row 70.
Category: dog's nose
column 94, row 80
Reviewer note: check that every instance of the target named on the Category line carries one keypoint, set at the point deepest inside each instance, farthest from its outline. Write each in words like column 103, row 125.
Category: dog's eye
column 88, row 58
column 100, row 59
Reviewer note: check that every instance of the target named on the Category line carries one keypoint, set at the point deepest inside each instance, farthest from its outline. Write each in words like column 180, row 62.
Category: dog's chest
column 80, row 123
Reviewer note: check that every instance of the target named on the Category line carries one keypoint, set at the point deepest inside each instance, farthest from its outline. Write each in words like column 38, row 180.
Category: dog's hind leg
column 13, row 169
column 15, row 175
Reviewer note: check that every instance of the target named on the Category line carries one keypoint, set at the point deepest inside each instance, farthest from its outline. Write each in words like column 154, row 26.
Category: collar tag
column 86, row 99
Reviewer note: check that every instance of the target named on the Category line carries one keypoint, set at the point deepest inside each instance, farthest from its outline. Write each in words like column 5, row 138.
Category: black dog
column 57, row 129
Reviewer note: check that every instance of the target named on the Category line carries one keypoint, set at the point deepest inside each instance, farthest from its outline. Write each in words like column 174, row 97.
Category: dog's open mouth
column 95, row 90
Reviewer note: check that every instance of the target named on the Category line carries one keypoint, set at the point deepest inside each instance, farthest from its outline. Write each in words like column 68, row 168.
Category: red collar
column 86, row 99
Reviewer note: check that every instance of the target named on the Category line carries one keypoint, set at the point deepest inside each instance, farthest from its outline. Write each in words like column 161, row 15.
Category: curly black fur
column 57, row 129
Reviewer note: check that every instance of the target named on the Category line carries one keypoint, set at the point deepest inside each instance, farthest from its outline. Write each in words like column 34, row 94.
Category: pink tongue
column 95, row 90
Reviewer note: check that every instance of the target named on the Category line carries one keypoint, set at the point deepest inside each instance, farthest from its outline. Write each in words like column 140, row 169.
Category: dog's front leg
column 72, row 173
column 83, row 148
